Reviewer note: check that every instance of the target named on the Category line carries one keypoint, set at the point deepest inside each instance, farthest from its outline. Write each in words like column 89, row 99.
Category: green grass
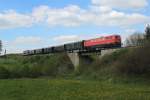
column 60, row 89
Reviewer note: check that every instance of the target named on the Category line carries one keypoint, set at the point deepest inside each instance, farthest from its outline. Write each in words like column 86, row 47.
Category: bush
column 35, row 66
column 35, row 71
column 4, row 73
column 135, row 62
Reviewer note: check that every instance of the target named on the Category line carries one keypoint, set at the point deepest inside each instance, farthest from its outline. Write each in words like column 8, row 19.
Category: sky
column 31, row 24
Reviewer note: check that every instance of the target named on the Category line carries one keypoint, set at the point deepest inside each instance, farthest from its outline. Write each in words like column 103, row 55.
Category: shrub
column 4, row 73
column 25, row 71
column 135, row 62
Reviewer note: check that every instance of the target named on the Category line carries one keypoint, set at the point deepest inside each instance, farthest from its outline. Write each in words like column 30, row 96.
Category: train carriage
column 30, row 52
column 38, row 51
column 48, row 50
column 26, row 52
column 58, row 49
column 76, row 46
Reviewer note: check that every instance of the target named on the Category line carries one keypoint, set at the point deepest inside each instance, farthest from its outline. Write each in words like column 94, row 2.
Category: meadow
column 62, row 89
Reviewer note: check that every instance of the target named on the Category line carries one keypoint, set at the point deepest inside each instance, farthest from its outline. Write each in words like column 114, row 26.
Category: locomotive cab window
column 107, row 38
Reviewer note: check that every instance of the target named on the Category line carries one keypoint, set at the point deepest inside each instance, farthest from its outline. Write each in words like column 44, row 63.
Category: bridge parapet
column 108, row 51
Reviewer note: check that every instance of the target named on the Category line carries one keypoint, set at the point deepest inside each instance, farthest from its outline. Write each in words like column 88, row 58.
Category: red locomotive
column 104, row 42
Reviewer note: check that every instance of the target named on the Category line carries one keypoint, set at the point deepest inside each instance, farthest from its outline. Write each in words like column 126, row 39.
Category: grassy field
column 60, row 89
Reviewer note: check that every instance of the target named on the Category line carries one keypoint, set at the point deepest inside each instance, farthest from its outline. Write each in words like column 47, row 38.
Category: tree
column 147, row 31
column 135, row 39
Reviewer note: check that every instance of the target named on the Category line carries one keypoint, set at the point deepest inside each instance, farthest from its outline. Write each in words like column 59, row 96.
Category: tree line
column 138, row 38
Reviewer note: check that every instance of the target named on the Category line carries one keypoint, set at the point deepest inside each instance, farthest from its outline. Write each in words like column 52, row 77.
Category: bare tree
column 147, row 31
column 135, row 39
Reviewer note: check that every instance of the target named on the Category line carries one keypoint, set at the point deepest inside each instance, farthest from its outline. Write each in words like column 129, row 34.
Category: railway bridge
column 76, row 57
column 80, row 50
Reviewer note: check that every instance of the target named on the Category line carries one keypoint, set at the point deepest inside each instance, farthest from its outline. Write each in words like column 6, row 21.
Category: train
column 91, row 45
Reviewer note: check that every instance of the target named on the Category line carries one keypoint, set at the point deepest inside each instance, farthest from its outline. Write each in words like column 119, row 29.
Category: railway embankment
column 123, row 63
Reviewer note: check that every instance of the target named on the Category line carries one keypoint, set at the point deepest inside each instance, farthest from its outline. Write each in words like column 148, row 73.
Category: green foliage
column 36, row 66
column 129, row 62
column 101, row 68
column 135, row 62
column 4, row 73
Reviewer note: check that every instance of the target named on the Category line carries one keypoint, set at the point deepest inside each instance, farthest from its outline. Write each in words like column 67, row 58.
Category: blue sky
column 41, row 23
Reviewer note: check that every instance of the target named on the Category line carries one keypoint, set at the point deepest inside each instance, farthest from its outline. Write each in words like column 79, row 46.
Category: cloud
column 97, row 15
column 66, row 38
column 30, row 40
column 100, row 9
column 40, row 13
column 12, row 19
column 120, row 19
column 134, row 4
column 10, row 47
column 68, row 16
column 100, row 13
column 19, row 44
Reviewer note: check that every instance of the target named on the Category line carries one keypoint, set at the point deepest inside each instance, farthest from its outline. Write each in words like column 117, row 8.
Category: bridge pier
column 84, row 58
column 78, row 59
column 75, row 59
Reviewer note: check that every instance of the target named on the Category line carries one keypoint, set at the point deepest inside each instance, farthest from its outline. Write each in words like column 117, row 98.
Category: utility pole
column 5, row 52
column 0, row 46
